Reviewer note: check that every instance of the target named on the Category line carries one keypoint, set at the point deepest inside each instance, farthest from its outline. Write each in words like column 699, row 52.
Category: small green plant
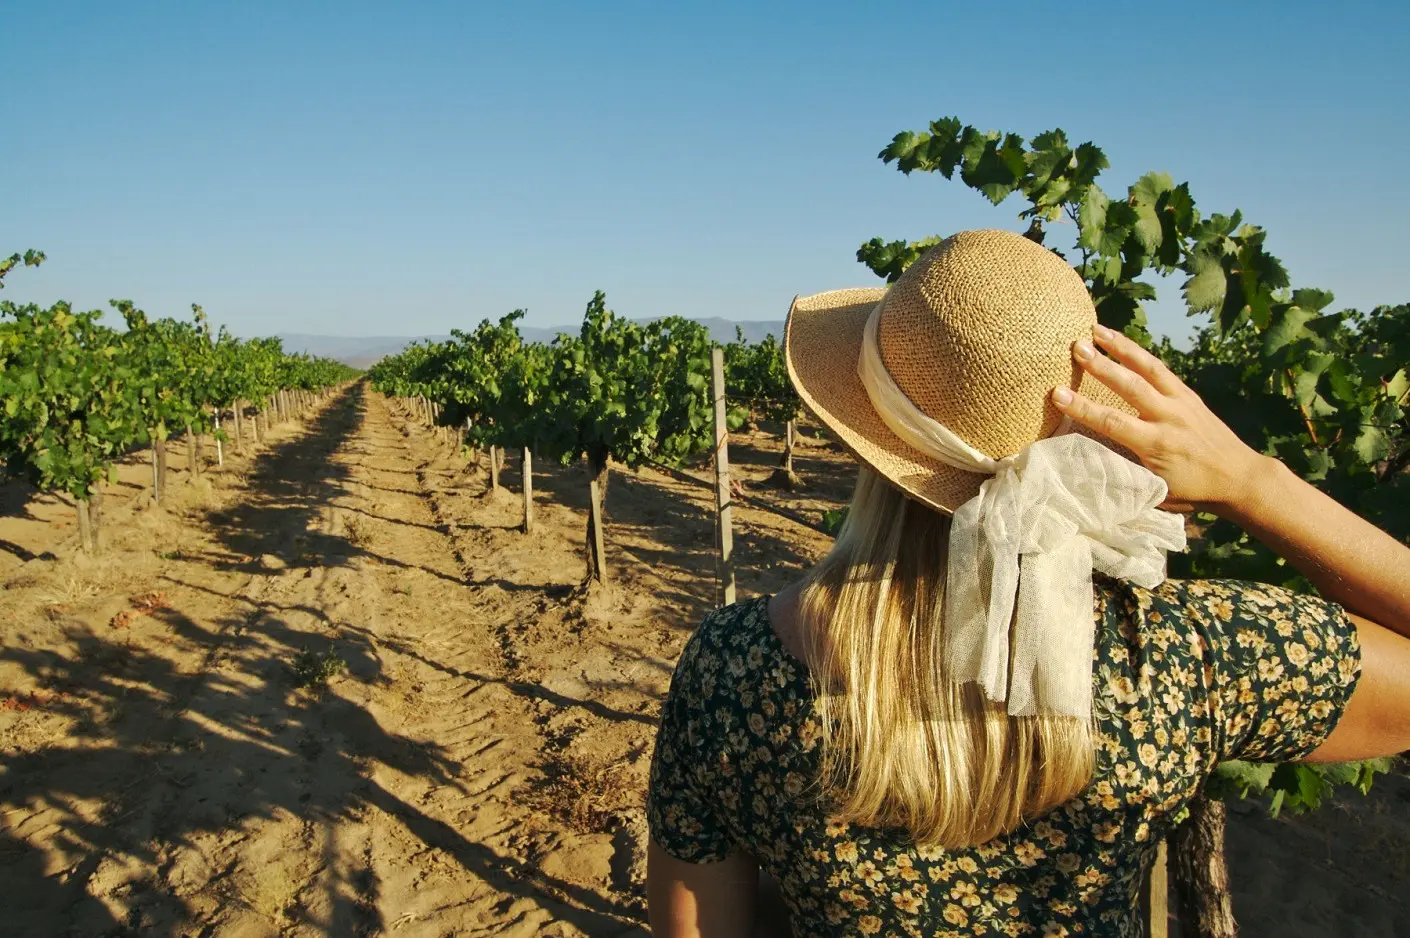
column 312, row 670
column 832, row 520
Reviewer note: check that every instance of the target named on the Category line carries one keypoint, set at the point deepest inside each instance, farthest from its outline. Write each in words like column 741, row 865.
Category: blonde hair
column 902, row 746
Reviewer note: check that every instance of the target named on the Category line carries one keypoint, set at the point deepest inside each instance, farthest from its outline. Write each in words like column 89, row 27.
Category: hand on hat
column 1204, row 463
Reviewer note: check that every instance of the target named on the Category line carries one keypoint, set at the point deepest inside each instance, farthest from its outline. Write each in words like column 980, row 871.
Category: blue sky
column 398, row 169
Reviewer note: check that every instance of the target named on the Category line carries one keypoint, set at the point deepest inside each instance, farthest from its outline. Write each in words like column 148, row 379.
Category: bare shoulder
column 785, row 620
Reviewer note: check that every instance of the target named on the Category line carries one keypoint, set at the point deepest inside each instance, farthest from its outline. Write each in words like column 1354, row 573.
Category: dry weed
column 73, row 582
column 585, row 794
column 268, row 888
column 196, row 495
column 357, row 530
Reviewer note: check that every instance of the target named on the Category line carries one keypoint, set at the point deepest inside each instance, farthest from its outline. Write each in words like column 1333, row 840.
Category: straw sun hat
column 976, row 334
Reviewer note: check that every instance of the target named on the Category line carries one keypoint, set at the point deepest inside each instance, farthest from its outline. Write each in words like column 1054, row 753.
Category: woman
column 980, row 712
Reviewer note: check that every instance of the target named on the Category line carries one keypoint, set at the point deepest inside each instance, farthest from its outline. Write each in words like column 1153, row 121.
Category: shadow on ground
column 176, row 756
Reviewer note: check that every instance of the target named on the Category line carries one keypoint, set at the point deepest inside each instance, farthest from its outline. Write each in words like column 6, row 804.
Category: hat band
column 914, row 426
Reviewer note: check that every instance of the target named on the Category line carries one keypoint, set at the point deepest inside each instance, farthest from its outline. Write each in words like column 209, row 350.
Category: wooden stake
column 160, row 447
column 599, row 545
column 1155, row 899
column 85, row 528
column 239, row 443
column 95, row 515
column 494, row 469
column 219, row 449
column 528, row 491
column 725, row 567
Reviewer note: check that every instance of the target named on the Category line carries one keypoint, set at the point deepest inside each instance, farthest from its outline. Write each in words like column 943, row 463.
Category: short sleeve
column 1281, row 667
column 679, row 808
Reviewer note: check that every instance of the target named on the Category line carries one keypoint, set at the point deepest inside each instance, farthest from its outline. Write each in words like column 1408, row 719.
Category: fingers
column 1140, row 361
column 1130, row 386
column 1118, row 426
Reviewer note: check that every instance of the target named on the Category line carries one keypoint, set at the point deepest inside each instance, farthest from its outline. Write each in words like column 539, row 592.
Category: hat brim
column 821, row 346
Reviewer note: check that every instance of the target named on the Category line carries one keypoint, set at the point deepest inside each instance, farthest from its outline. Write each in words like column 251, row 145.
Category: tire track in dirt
column 416, row 759
column 444, row 652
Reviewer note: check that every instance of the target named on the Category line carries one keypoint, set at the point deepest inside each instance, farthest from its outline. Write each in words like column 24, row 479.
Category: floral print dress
column 1185, row 676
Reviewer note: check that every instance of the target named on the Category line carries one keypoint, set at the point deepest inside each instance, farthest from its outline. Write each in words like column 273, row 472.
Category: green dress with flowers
column 1185, row 676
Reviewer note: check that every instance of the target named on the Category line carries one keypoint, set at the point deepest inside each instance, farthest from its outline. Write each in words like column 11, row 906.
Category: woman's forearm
column 1347, row 558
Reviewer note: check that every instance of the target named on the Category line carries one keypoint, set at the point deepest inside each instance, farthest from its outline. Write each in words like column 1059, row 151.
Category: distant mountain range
column 364, row 351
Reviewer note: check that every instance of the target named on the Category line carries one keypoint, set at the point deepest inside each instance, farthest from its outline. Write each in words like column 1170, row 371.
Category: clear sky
column 403, row 168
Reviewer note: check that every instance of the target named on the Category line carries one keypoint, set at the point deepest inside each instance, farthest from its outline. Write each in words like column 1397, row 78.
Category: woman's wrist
column 1253, row 486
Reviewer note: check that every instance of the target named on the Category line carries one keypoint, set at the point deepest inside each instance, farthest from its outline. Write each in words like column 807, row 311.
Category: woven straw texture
column 977, row 333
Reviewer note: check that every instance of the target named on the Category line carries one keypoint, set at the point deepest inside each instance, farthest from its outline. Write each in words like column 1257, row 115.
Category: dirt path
column 171, row 777
column 335, row 690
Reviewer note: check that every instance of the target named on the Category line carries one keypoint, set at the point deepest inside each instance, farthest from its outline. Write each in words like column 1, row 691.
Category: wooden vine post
column 159, row 475
column 85, row 526
column 1155, row 901
column 494, row 468
column 235, row 414
column 193, row 459
column 725, row 566
column 784, row 476
column 528, row 491
column 95, row 514
column 597, row 545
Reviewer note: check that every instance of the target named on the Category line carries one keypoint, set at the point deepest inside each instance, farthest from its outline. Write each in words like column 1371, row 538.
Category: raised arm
column 1207, row 466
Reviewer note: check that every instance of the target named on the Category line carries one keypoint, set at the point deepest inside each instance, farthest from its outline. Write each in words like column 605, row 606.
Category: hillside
column 364, row 351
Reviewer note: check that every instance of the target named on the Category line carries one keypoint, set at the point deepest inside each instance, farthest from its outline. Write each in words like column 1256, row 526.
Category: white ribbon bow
column 1018, row 596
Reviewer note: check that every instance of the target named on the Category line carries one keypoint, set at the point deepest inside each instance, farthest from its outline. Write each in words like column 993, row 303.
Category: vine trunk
column 1206, row 909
